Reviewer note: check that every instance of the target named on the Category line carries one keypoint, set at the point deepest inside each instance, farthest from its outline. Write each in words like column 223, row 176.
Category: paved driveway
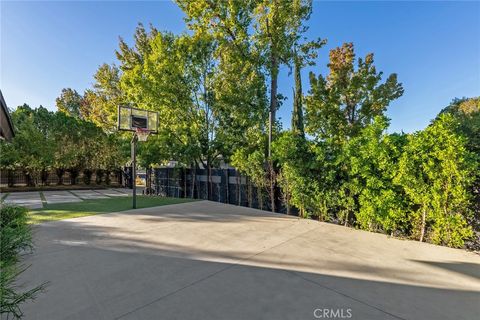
column 206, row 260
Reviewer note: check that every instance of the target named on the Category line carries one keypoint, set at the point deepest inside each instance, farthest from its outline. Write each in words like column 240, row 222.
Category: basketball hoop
column 142, row 123
column 142, row 134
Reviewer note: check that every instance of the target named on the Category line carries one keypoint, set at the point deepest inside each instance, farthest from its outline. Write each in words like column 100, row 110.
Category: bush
column 451, row 231
column 15, row 239
column 15, row 233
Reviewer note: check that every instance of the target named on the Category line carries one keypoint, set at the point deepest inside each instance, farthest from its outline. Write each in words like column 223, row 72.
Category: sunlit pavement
column 33, row 199
column 206, row 260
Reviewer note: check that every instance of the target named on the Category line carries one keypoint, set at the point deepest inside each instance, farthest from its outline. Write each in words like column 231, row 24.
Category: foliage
column 347, row 100
column 467, row 112
column 70, row 102
column 15, row 238
column 251, row 161
column 435, row 171
column 372, row 159
column 215, row 88
column 101, row 102
column 295, row 177
column 46, row 140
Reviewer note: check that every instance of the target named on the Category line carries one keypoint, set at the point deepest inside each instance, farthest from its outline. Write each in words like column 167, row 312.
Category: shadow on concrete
column 464, row 268
column 100, row 272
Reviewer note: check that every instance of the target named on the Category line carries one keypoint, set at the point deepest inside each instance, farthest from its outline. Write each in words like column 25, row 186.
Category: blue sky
column 433, row 46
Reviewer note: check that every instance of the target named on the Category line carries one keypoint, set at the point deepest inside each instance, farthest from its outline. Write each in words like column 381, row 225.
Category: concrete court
column 206, row 260
column 89, row 194
column 30, row 200
column 33, row 200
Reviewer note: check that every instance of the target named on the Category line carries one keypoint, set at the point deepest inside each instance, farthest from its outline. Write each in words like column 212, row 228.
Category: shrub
column 15, row 238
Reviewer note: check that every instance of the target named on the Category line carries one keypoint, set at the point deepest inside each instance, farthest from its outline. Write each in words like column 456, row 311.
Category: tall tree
column 101, row 102
column 297, row 114
column 180, row 77
column 338, row 107
column 70, row 102
column 304, row 55
column 270, row 26
column 278, row 25
column 347, row 100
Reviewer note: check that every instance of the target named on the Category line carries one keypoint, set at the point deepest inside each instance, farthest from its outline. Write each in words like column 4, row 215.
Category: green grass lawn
column 60, row 211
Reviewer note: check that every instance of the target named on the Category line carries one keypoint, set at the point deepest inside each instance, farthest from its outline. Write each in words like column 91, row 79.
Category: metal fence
column 19, row 178
column 226, row 186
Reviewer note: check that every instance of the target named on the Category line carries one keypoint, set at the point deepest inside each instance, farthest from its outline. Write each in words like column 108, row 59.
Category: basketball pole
column 134, row 170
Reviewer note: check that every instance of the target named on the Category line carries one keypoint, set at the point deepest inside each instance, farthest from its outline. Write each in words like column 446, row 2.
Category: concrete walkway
column 205, row 260
column 33, row 199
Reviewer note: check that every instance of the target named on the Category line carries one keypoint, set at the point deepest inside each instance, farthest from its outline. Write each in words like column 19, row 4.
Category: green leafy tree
column 70, row 102
column 372, row 157
column 338, row 107
column 467, row 113
column 304, row 55
column 278, row 25
column 270, row 27
column 250, row 160
column 348, row 99
column 33, row 143
column 48, row 140
column 435, row 171
column 101, row 102
column 174, row 75
column 298, row 183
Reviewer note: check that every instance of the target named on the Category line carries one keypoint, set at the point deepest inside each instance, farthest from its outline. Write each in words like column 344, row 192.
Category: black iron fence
column 222, row 185
column 20, row 178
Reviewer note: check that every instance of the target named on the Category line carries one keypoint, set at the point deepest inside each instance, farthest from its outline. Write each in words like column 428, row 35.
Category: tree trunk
column 297, row 115
column 107, row 177
column 10, row 178
column 184, row 182
column 272, row 185
column 260, row 198
column 60, row 172
column 238, row 189
column 287, row 202
column 209, row 180
column 44, row 176
column 250, row 196
column 273, row 91
column 424, row 215
column 29, row 179
column 194, row 176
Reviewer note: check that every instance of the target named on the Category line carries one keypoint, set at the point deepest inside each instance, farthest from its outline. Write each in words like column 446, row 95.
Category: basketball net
column 142, row 134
